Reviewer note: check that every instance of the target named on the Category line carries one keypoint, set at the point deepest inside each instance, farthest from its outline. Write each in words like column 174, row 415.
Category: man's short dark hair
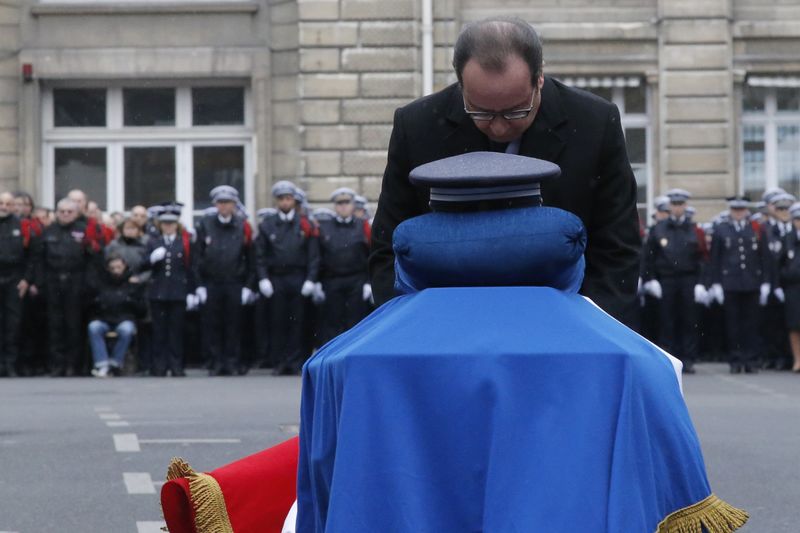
column 493, row 40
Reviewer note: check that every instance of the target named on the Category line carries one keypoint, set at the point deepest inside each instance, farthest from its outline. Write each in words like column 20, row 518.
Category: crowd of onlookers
column 83, row 292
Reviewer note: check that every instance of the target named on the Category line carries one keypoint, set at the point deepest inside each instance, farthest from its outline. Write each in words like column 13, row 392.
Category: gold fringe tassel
column 710, row 515
column 210, row 513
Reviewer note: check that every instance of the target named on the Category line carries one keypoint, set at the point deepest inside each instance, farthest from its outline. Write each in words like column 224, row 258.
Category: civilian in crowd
column 63, row 257
column 16, row 275
column 131, row 248
column 116, row 305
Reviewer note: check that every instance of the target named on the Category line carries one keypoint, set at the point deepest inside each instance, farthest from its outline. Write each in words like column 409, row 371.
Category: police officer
column 63, row 260
column 361, row 210
column 737, row 277
column 344, row 247
column 287, row 265
column 224, row 276
column 675, row 254
column 650, row 323
column 171, row 289
column 16, row 275
column 789, row 276
column 774, row 230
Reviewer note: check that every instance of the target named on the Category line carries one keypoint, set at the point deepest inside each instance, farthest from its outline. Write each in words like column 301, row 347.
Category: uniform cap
column 171, row 212
column 323, row 213
column 738, row 202
column 224, row 193
column 483, row 176
column 691, row 211
column 360, row 201
column 769, row 193
column 343, row 191
column 678, row 195
column 265, row 212
column 795, row 210
column 661, row 203
column 154, row 210
column 783, row 200
column 283, row 187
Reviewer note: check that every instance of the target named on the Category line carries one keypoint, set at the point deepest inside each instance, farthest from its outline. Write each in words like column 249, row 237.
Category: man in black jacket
column 116, row 304
column 503, row 102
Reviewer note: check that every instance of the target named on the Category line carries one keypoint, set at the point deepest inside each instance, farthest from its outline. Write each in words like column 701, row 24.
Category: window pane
column 753, row 98
column 636, row 142
column 81, row 168
column 149, row 175
column 753, row 174
column 789, row 158
column 217, row 165
column 788, row 98
column 79, row 108
column 149, row 107
column 217, row 106
column 635, row 99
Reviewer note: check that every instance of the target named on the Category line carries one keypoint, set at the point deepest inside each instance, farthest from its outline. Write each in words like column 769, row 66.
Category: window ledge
column 149, row 8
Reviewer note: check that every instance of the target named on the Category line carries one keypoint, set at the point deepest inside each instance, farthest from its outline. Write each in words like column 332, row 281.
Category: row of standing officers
column 292, row 259
column 748, row 265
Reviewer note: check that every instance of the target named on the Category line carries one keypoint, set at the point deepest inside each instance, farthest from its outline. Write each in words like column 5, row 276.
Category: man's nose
column 498, row 126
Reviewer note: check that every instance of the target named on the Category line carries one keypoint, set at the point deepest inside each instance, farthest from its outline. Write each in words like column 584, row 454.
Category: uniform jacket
column 736, row 258
column 284, row 247
column 224, row 251
column 773, row 236
column 344, row 247
column 16, row 242
column 115, row 299
column 674, row 248
column 574, row 129
column 789, row 261
column 172, row 278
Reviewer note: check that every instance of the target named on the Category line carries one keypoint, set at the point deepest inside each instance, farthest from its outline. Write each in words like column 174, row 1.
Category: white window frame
column 769, row 119
column 115, row 137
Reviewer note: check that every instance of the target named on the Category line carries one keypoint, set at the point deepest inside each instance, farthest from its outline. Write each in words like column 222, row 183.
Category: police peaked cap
column 343, row 191
column 283, row 188
column 171, row 212
column 783, row 199
column 738, row 202
column 769, row 193
column 480, row 176
column 224, row 193
column 678, row 195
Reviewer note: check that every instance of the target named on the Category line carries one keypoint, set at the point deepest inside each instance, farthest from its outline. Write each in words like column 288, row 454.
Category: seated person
column 116, row 303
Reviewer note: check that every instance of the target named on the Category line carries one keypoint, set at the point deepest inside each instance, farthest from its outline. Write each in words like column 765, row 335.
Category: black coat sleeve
column 398, row 201
column 614, row 245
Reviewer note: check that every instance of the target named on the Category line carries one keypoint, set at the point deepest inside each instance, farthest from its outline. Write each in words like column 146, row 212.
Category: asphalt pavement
column 90, row 455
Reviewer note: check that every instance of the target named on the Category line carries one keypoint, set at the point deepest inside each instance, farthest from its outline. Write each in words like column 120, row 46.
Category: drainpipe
column 427, row 47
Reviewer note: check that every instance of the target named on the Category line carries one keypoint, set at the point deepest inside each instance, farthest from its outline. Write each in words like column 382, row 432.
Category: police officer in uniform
column 287, row 265
column 16, row 275
column 789, row 276
column 774, row 231
column 675, row 254
column 650, row 323
column 224, row 276
column 344, row 249
column 64, row 259
column 171, row 290
column 737, row 279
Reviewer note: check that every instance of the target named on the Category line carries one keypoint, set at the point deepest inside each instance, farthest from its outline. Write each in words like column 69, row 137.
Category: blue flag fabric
column 517, row 409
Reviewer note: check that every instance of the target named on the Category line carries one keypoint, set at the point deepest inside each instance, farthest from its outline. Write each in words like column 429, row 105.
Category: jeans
column 97, row 330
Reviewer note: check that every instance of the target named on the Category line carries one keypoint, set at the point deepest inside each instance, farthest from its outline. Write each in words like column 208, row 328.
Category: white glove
column 265, row 287
column 717, row 293
column 318, row 296
column 762, row 298
column 701, row 295
column 779, row 295
column 202, row 295
column 192, row 301
column 653, row 288
column 366, row 293
column 308, row 288
column 158, row 255
column 247, row 296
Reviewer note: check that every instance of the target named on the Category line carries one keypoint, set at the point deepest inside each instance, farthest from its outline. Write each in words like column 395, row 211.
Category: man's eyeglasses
column 486, row 116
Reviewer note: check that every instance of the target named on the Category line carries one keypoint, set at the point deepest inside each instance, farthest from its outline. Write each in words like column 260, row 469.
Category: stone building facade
column 150, row 100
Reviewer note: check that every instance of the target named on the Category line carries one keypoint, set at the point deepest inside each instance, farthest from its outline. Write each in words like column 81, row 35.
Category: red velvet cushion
column 258, row 489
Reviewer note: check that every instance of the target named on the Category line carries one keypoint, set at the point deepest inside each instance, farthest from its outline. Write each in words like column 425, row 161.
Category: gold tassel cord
column 711, row 515
column 210, row 513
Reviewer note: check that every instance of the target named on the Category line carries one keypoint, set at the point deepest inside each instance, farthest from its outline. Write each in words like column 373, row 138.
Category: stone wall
column 9, row 93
